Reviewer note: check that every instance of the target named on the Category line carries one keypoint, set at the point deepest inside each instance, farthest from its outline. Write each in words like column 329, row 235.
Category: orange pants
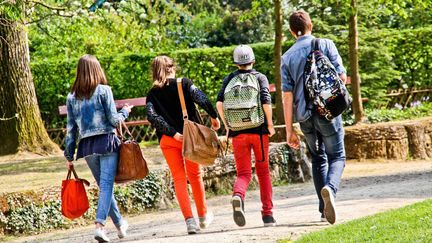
column 180, row 168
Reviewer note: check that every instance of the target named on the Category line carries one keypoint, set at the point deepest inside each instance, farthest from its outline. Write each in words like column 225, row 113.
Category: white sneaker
column 121, row 231
column 329, row 205
column 206, row 220
column 100, row 235
column 323, row 218
column 191, row 226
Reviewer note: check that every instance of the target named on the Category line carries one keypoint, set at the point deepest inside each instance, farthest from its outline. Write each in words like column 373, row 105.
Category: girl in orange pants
column 182, row 170
column 165, row 114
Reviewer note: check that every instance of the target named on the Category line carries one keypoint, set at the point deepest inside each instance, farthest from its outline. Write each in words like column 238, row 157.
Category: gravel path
column 367, row 188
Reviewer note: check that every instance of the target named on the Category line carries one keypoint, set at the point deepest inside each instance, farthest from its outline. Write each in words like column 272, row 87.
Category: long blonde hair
column 161, row 67
column 89, row 75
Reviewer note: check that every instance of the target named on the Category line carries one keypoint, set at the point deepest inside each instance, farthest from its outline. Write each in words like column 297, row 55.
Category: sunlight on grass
column 38, row 174
column 412, row 223
column 146, row 144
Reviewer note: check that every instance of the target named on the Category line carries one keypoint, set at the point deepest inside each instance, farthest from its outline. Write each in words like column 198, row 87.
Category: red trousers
column 242, row 145
column 181, row 170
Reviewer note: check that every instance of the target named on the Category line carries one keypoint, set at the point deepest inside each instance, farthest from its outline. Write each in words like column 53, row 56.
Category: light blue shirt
column 292, row 68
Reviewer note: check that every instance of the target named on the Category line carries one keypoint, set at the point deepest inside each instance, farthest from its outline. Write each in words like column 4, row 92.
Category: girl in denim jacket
column 92, row 116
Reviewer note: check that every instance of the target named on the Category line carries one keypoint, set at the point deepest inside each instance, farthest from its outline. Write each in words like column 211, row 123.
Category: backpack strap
column 315, row 44
column 182, row 100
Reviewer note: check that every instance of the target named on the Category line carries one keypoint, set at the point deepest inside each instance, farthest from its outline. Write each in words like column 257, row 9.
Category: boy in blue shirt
column 325, row 139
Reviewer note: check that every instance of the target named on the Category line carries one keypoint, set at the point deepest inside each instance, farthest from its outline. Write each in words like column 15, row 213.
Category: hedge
column 387, row 59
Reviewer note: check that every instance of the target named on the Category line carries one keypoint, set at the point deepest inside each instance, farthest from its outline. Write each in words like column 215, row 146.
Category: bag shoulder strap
column 315, row 44
column 182, row 100
column 120, row 130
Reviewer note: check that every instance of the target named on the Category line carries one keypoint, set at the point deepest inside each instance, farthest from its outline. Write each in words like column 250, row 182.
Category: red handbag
column 74, row 199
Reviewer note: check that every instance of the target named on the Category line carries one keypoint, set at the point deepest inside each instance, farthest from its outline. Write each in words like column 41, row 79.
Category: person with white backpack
column 314, row 93
column 244, row 105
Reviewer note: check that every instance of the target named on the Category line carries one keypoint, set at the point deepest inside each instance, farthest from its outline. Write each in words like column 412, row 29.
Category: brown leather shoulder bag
column 131, row 164
column 200, row 143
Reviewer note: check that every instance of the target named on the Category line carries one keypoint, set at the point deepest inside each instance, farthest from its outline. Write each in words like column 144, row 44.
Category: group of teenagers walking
column 93, row 118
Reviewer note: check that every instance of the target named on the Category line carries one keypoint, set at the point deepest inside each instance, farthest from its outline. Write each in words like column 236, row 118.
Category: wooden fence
column 401, row 98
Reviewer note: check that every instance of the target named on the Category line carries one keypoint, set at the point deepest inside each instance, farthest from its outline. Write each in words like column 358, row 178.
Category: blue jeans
column 104, row 169
column 325, row 141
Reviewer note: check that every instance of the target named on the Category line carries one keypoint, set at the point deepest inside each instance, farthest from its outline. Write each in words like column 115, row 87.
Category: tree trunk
column 277, row 62
column 21, row 127
column 354, row 64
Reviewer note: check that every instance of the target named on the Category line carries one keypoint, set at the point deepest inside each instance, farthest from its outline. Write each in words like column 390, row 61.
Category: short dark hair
column 300, row 22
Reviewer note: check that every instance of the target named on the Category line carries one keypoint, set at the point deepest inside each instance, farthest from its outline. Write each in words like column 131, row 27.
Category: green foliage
column 141, row 26
column 389, row 59
column 385, row 115
column 394, row 114
column 11, row 10
column 413, row 55
column 30, row 216
column 140, row 195
column 412, row 223
column 129, row 74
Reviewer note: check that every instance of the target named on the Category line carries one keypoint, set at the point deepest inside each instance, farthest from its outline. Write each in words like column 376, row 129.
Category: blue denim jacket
column 90, row 117
column 292, row 67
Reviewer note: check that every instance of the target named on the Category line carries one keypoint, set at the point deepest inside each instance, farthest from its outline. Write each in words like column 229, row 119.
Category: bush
column 394, row 114
column 140, row 195
column 129, row 74
column 387, row 59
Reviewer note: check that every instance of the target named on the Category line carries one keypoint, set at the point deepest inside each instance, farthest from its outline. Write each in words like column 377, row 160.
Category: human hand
column 215, row 124
column 128, row 107
column 292, row 139
column 271, row 130
column 69, row 165
column 343, row 77
column 178, row 137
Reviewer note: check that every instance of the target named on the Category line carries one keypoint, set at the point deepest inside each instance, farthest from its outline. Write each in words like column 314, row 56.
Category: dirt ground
column 367, row 188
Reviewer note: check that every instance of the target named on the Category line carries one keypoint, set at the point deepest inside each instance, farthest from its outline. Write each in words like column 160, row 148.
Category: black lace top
column 164, row 109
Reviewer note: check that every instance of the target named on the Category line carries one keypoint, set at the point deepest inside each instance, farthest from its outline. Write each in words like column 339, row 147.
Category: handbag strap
column 69, row 175
column 182, row 100
column 120, row 129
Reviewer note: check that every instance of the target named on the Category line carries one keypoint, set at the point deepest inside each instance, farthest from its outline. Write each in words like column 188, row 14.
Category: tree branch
column 9, row 118
column 47, row 33
column 46, row 5
column 45, row 17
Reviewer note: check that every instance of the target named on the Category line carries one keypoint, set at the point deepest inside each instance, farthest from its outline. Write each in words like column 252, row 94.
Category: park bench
column 58, row 134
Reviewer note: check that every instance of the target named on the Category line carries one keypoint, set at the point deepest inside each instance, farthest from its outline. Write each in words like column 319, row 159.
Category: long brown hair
column 161, row 67
column 89, row 75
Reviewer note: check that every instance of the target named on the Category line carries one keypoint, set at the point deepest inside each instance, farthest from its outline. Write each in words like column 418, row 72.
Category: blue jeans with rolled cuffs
column 104, row 169
column 325, row 141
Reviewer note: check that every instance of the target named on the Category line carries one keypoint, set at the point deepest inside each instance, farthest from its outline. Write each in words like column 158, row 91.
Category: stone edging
column 393, row 140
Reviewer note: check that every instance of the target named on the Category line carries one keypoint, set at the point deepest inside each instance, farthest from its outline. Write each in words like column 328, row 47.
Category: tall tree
column 277, row 60
column 21, row 125
column 354, row 64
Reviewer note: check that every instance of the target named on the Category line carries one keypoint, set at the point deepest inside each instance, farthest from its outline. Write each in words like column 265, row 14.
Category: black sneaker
column 269, row 221
column 238, row 211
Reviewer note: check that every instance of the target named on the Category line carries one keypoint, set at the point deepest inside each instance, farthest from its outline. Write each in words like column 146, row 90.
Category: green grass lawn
column 408, row 224
column 34, row 174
